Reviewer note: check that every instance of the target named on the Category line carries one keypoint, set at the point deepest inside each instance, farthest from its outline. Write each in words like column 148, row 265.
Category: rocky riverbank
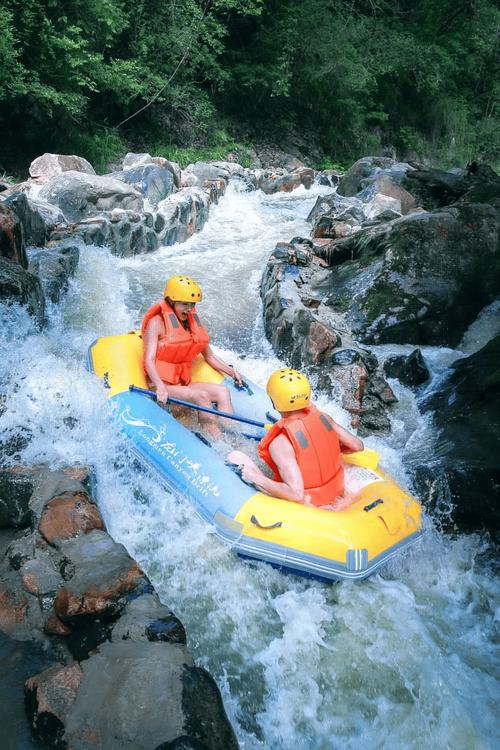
column 400, row 254
column 120, row 672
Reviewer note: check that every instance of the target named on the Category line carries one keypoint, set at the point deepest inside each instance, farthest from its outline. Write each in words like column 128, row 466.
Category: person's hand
column 162, row 394
column 249, row 474
column 238, row 379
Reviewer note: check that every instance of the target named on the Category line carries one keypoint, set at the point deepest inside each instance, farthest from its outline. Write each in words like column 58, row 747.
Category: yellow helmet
column 289, row 390
column 182, row 289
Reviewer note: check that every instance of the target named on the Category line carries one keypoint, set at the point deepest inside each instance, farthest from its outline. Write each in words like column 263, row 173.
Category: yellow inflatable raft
column 350, row 544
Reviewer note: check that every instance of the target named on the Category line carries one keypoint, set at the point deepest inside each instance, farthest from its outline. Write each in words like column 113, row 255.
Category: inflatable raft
column 351, row 544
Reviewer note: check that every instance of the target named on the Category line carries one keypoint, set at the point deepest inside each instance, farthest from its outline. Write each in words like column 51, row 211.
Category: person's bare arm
column 292, row 486
column 150, row 342
column 218, row 364
column 349, row 443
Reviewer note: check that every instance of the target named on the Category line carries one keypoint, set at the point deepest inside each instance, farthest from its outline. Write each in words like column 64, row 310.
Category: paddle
column 367, row 458
column 206, row 409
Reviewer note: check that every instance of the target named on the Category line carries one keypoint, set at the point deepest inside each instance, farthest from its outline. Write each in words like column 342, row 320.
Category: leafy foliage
column 358, row 76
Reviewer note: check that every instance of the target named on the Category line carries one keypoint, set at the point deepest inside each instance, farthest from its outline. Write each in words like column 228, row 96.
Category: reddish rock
column 320, row 341
column 96, row 600
column 385, row 186
column 55, row 626
column 11, row 237
column 13, row 609
column 78, row 473
column 352, row 380
column 67, row 516
column 50, row 696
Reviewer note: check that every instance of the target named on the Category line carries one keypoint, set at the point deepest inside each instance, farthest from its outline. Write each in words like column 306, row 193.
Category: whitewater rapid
column 406, row 659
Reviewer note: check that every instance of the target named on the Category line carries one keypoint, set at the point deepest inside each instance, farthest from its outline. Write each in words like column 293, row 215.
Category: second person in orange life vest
column 303, row 448
column 173, row 336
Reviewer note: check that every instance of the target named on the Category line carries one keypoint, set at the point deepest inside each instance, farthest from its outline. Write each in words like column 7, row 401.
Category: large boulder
column 466, row 414
column 129, row 695
column 152, row 181
column 12, row 244
column 34, row 227
column 18, row 286
column 421, row 279
column 368, row 170
column 80, row 195
column 48, row 165
column 55, row 265
column 306, row 333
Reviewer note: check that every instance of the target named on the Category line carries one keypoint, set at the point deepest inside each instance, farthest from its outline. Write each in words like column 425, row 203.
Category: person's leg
column 204, row 394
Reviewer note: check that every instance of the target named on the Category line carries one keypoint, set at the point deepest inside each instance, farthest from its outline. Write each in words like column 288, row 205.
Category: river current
column 406, row 659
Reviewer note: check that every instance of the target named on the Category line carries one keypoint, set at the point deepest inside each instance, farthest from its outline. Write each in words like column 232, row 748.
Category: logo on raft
column 156, row 438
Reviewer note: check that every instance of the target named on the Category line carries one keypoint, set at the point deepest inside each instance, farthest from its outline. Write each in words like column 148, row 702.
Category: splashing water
column 403, row 660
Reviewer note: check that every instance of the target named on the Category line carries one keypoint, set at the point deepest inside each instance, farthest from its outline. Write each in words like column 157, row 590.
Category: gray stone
column 54, row 266
column 153, row 182
column 80, row 195
column 34, row 228
column 48, row 165
column 18, row 286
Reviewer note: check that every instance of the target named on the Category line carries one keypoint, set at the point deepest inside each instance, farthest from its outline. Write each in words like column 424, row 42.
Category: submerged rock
column 410, row 370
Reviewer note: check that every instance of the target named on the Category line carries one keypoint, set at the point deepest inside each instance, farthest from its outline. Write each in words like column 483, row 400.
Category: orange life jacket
column 317, row 450
column 178, row 346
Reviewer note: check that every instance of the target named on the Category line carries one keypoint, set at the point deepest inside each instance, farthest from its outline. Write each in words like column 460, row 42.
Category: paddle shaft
column 206, row 409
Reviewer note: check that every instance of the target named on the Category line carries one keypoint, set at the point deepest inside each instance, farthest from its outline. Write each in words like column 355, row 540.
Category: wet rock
column 152, row 181
column 184, row 213
column 13, row 608
column 49, row 698
column 18, row 286
column 198, row 173
column 51, row 484
column 104, row 574
column 410, row 370
column 79, row 195
column 287, row 182
column 466, row 413
column 172, row 167
column 12, row 246
column 371, row 168
column 48, row 165
column 297, row 252
column 34, row 228
column 16, row 486
column 419, row 279
column 145, row 618
column 384, row 187
column 304, row 332
column 54, row 266
column 67, row 516
column 131, row 695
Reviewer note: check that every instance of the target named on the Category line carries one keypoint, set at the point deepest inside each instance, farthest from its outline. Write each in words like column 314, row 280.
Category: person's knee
column 202, row 398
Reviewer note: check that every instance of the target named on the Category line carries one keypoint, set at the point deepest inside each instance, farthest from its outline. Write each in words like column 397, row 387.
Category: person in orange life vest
column 173, row 336
column 303, row 448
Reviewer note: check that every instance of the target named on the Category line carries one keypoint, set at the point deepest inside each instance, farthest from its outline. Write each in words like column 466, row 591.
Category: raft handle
column 276, row 525
column 373, row 505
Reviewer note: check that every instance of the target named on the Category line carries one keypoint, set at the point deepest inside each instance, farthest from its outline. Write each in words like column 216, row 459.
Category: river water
column 406, row 659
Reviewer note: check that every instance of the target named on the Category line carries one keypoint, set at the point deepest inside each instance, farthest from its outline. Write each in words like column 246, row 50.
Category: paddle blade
column 367, row 458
